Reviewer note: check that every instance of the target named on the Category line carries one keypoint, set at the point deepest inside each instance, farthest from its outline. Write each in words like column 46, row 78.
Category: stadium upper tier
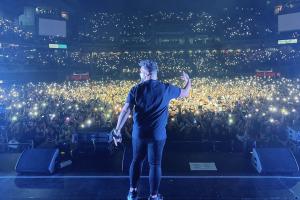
column 245, row 23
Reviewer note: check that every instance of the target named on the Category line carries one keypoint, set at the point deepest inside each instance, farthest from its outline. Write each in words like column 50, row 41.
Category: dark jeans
column 154, row 148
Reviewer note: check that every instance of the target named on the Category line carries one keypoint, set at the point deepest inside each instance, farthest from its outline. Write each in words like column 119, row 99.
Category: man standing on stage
column 150, row 101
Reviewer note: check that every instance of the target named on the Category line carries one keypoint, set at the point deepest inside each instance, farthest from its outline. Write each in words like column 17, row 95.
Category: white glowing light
column 14, row 118
column 284, row 111
column 89, row 122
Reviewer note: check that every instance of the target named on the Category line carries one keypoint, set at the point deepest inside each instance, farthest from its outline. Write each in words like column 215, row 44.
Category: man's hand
column 117, row 137
column 185, row 77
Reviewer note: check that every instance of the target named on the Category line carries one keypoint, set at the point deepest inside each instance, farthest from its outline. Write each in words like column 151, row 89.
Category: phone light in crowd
column 172, row 119
column 272, row 109
column 1, row 82
column 269, row 98
column 294, row 110
column 256, row 110
column 19, row 105
column 82, row 126
column 271, row 120
column 44, row 105
column 264, row 114
column 284, row 111
column 95, row 109
column 88, row 122
column 14, row 118
column 230, row 121
column 52, row 116
column 69, row 107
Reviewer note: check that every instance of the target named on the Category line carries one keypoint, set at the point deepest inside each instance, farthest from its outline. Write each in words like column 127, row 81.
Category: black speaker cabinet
column 274, row 160
column 37, row 161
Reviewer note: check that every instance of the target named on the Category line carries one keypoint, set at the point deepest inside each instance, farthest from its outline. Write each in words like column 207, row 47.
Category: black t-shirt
column 151, row 101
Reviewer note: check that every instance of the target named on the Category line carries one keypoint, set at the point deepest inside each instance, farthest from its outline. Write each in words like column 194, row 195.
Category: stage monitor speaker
column 274, row 160
column 37, row 161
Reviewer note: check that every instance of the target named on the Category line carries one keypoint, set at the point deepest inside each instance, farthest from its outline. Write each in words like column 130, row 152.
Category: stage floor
column 228, row 175
column 172, row 187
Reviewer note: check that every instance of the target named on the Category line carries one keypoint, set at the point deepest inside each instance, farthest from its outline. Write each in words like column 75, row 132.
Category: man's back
column 151, row 100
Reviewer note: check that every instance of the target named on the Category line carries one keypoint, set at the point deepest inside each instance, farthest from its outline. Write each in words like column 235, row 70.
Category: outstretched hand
column 185, row 77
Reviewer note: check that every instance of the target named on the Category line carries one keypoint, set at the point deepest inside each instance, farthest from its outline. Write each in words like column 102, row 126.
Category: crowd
column 10, row 31
column 139, row 28
column 248, row 23
column 217, row 109
column 118, row 64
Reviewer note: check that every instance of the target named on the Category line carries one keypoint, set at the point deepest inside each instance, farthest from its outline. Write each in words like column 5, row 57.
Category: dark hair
column 150, row 65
